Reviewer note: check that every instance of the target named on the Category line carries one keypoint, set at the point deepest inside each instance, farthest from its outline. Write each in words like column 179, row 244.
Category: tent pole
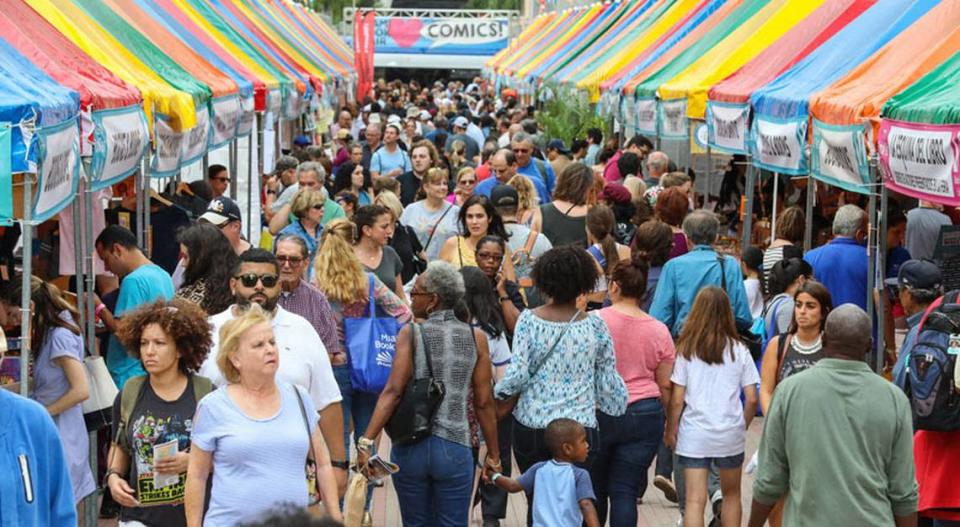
column 138, row 186
column 709, row 171
column 882, row 270
column 26, row 227
column 808, row 216
column 205, row 164
column 871, row 266
column 251, row 154
column 773, row 212
column 90, row 502
column 147, row 238
column 234, row 180
column 748, row 204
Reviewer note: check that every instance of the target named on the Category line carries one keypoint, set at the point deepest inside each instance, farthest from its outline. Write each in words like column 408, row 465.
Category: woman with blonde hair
column 339, row 274
column 254, row 435
column 528, row 210
column 307, row 207
column 465, row 184
column 404, row 240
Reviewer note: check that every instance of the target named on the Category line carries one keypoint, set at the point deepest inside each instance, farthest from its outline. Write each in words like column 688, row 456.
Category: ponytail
column 601, row 223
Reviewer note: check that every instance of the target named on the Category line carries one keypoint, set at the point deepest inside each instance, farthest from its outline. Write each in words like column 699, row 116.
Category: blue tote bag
column 371, row 344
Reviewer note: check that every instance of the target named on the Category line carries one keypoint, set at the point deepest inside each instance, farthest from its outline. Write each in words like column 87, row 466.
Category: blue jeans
column 357, row 406
column 434, row 482
column 628, row 444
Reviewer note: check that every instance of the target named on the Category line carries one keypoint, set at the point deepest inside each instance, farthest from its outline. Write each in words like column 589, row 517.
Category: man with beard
column 303, row 357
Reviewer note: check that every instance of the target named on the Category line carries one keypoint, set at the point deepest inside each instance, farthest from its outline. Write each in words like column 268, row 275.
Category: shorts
column 722, row 463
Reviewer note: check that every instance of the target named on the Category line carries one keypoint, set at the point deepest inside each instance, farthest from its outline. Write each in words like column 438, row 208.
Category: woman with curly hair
column 528, row 211
column 208, row 259
column 154, row 413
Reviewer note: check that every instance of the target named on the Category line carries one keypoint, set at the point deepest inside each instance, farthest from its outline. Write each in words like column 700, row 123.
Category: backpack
column 760, row 327
column 931, row 365
column 133, row 390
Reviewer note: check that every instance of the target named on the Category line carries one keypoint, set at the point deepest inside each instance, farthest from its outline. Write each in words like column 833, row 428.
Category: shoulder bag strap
column 782, row 346
column 435, row 225
column 306, row 423
column 546, row 356
column 371, row 305
column 531, row 240
column 426, row 354
column 723, row 274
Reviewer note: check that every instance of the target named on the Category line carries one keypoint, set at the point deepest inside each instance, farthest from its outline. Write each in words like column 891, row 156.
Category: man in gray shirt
column 923, row 230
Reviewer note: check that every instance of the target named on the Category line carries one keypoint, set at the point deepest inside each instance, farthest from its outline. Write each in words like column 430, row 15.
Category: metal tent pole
column 871, row 265
column 749, row 187
column 87, row 246
column 138, row 191
column 808, row 216
column 26, row 227
column 85, row 315
column 147, row 237
column 773, row 211
column 881, row 271
column 252, row 158
column 234, row 179
column 205, row 164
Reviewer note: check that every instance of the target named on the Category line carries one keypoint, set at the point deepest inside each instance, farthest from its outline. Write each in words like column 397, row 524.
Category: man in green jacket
column 838, row 440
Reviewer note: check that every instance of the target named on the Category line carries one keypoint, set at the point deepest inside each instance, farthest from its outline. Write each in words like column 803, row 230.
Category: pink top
column 637, row 358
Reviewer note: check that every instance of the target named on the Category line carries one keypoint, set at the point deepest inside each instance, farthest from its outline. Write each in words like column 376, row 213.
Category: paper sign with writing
column 646, row 115
column 226, row 117
column 921, row 160
column 196, row 140
column 673, row 119
column 777, row 145
column 121, row 138
column 167, row 149
column 839, row 156
column 458, row 36
column 727, row 126
column 59, row 170
column 247, row 117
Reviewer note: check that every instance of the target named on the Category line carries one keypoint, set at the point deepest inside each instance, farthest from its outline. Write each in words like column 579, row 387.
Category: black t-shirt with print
column 155, row 421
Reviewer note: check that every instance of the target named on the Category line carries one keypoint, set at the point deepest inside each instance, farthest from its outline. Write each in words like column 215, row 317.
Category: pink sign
column 921, row 160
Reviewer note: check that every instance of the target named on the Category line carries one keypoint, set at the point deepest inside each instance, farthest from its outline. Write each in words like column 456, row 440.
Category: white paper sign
column 777, row 145
column 646, row 109
column 836, row 155
column 196, row 140
column 673, row 118
column 125, row 137
column 274, row 102
column 167, row 149
column 247, row 116
column 728, row 126
column 59, row 169
column 226, row 117
column 921, row 160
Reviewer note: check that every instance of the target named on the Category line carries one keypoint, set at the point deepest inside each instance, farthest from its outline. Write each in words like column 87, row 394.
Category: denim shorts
column 722, row 463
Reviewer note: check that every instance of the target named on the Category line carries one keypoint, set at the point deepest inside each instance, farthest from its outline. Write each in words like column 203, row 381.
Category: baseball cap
column 413, row 112
column 461, row 122
column 557, row 144
column 504, row 196
column 393, row 119
column 220, row 211
column 302, row 140
column 374, row 118
column 917, row 274
column 284, row 163
column 424, row 115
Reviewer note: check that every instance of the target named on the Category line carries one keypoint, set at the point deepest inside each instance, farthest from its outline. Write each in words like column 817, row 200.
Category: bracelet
column 493, row 479
column 342, row 465
column 106, row 477
column 99, row 309
column 503, row 298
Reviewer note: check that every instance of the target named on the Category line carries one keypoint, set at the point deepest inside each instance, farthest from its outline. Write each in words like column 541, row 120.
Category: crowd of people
column 434, row 268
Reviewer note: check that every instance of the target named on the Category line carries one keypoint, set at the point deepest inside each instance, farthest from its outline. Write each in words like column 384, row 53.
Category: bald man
column 838, row 437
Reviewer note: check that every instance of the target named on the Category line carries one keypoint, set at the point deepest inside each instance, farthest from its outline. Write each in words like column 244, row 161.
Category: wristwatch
column 504, row 298
column 366, row 444
column 493, row 479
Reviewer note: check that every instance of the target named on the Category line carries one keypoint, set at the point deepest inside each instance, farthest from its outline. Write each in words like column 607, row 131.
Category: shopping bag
column 98, row 407
column 371, row 345
column 354, row 502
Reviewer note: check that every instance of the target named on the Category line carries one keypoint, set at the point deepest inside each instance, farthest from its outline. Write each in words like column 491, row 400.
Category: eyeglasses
column 318, row 206
column 414, row 292
column 292, row 260
column 467, row 181
column 522, row 150
column 221, row 179
column 489, row 256
column 251, row 279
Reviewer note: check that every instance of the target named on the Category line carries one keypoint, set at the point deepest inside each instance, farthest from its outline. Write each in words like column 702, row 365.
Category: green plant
column 568, row 115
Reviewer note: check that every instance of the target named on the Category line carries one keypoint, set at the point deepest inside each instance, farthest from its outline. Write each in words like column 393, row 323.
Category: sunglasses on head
column 251, row 279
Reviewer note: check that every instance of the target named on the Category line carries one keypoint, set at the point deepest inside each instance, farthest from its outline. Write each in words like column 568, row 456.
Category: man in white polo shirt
column 303, row 357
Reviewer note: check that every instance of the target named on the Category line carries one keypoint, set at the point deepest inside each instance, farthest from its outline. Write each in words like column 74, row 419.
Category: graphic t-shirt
column 154, row 422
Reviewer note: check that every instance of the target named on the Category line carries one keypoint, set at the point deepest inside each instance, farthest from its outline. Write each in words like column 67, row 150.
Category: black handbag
column 413, row 418
column 751, row 340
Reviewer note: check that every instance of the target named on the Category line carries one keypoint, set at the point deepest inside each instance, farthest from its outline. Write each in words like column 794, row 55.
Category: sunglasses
column 467, row 181
column 292, row 260
column 251, row 279
column 318, row 206
column 522, row 150
column 221, row 179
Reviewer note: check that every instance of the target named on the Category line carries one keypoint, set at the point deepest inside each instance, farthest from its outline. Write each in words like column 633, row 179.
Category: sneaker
column 716, row 503
column 666, row 487
column 680, row 521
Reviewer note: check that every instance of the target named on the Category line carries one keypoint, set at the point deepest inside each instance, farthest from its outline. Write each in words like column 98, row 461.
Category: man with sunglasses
column 303, row 356
column 523, row 147
column 219, row 178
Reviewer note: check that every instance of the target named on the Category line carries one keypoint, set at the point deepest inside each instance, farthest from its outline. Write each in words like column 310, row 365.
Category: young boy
column 564, row 493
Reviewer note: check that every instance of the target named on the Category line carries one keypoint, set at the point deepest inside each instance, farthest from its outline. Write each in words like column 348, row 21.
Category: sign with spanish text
column 727, row 126
column 839, row 157
column 921, row 160
column 441, row 36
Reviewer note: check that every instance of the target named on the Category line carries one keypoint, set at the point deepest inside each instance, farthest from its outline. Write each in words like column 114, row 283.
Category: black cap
column 917, row 274
column 557, row 144
column 504, row 196
column 220, row 211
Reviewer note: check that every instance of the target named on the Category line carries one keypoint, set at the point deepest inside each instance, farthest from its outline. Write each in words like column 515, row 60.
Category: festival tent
column 580, row 41
column 317, row 29
column 538, row 28
column 160, row 99
column 622, row 47
column 674, row 125
column 918, row 143
column 728, row 110
column 559, row 37
column 704, row 18
column 780, row 108
column 690, row 87
column 634, row 26
column 848, row 112
column 547, row 37
column 39, row 133
column 112, row 109
column 149, row 39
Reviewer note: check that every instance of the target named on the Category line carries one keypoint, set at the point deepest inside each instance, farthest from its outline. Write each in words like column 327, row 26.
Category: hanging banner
column 673, row 119
column 167, row 149
column 120, row 139
column 196, row 141
column 226, row 117
column 646, row 109
column 247, row 117
column 441, row 36
column 778, row 145
column 363, row 50
column 839, row 157
column 274, row 105
column 921, row 160
column 6, row 176
column 59, row 170
column 727, row 126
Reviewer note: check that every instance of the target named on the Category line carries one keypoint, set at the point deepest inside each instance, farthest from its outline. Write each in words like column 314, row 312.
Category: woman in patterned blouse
column 580, row 374
column 208, row 260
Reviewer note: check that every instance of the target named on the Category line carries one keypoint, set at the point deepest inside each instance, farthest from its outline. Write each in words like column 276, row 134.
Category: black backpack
column 930, row 367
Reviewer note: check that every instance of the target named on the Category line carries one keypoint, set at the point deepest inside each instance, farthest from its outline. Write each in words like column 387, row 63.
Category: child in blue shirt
column 564, row 493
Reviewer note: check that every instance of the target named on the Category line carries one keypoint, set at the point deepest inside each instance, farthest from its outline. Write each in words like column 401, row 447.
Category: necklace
column 807, row 349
